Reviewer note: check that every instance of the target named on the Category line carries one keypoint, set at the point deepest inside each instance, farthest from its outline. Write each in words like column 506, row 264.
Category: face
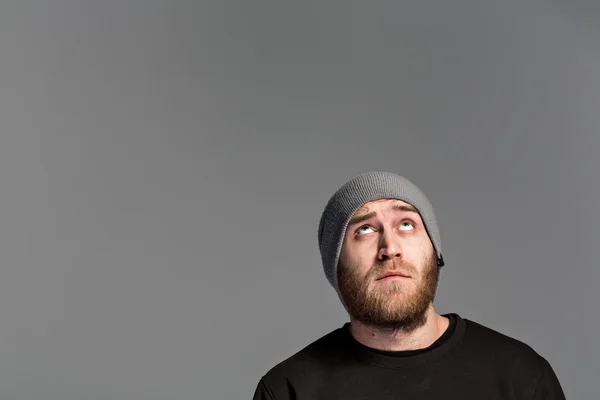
column 388, row 271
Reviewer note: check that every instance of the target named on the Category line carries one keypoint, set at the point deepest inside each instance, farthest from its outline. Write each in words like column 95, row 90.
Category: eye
column 364, row 229
column 407, row 225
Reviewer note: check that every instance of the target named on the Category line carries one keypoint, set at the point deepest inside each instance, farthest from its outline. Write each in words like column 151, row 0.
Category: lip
column 393, row 274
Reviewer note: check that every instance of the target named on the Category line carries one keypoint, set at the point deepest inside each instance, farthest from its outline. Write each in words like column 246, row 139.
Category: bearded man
column 381, row 251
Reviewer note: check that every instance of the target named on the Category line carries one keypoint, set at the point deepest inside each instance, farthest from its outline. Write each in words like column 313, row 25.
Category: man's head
column 378, row 224
column 387, row 272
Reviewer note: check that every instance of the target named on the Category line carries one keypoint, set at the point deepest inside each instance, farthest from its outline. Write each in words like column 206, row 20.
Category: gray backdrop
column 163, row 166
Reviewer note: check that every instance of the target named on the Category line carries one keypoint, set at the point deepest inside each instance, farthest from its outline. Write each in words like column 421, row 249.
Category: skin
column 394, row 313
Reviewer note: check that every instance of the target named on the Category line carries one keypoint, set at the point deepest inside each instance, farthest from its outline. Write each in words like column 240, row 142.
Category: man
column 381, row 252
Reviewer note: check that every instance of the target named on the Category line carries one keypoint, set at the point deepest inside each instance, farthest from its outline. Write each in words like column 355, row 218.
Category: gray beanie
column 352, row 196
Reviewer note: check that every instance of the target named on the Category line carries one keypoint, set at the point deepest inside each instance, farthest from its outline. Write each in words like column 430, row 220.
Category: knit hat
column 353, row 195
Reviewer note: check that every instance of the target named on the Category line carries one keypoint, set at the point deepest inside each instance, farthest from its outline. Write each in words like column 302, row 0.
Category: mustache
column 380, row 268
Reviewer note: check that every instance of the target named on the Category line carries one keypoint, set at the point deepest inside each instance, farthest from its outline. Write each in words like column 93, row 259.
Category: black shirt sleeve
column 262, row 392
column 548, row 386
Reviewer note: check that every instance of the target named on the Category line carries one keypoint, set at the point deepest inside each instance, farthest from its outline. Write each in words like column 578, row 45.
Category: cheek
column 344, row 257
column 359, row 247
column 352, row 255
column 349, row 252
column 355, row 262
column 419, row 247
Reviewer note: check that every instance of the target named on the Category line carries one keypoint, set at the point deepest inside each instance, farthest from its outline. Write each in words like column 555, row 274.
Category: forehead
column 380, row 205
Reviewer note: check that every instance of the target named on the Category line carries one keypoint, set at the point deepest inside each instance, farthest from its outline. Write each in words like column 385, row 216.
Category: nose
column 389, row 247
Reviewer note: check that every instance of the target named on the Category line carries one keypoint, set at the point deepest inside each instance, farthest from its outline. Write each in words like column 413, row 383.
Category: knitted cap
column 352, row 196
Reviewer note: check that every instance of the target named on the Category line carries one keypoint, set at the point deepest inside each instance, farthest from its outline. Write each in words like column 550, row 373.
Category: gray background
column 163, row 165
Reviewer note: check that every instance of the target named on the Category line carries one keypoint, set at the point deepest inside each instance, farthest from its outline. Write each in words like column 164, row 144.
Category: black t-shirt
column 408, row 353
column 468, row 362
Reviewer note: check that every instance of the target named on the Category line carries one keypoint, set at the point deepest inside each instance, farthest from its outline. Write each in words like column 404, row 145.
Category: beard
column 391, row 306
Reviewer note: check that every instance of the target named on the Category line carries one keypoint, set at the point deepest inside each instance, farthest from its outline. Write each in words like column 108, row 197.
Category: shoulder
column 507, row 356
column 487, row 335
column 501, row 347
column 314, row 359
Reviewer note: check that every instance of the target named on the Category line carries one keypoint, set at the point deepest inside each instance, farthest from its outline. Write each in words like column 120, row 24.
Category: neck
column 400, row 340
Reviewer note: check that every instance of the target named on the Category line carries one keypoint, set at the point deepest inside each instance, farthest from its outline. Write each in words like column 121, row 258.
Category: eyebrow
column 360, row 218
column 398, row 207
column 405, row 208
